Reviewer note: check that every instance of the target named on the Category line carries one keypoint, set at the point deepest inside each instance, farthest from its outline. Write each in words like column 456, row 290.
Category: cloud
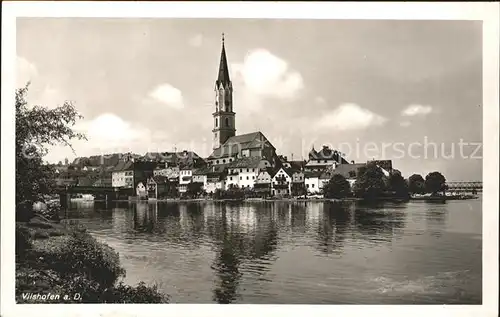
column 350, row 116
column 320, row 100
column 196, row 40
column 169, row 95
column 416, row 110
column 25, row 71
column 267, row 75
column 405, row 124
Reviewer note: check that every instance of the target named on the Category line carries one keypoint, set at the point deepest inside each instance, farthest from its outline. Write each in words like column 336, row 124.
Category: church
column 227, row 146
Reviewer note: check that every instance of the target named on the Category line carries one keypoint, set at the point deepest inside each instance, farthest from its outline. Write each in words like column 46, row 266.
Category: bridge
column 107, row 193
column 465, row 186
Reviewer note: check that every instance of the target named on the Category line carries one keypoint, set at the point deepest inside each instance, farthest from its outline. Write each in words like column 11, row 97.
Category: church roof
column 237, row 143
column 223, row 76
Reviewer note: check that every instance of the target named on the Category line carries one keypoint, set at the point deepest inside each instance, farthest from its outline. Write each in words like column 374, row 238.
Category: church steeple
column 223, row 77
column 224, row 117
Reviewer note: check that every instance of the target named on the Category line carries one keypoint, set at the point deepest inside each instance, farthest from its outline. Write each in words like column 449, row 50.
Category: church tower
column 224, row 124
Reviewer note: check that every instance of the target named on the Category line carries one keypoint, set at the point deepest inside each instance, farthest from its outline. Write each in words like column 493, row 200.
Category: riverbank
column 62, row 263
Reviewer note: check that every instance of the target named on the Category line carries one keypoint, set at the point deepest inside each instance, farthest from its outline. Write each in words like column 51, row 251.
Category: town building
column 281, row 183
column 312, row 181
column 262, row 185
column 243, row 172
column 326, row 157
column 158, row 187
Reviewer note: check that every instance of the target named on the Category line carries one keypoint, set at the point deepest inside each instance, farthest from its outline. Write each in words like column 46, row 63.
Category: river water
column 297, row 252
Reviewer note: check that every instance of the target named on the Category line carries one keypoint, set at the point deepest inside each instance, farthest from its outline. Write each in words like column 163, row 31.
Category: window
column 324, row 161
column 216, row 122
column 253, row 177
column 312, row 185
column 241, row 170
column 217, row 162
column 241, row 178
column 223, row 161
column 227, row 122
column 247, row 177
column 248, row 170
column 231, row 178
column 307, row 185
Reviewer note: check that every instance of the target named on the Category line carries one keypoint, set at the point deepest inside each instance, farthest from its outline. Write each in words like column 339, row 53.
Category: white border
column 487, row 12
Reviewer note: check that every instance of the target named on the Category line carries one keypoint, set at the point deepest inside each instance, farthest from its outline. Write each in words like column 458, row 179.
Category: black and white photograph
column 279, row 160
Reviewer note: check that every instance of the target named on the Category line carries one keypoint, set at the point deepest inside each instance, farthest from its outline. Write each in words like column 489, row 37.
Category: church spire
column 223, row 76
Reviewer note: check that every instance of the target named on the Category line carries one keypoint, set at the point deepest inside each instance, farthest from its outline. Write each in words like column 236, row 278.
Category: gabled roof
column 327, row 154
column 159, row 179
column 124, row 166
column 312, row 174
column 245, row 162
column 202, row 171
column 346, row 169
column 237, row 143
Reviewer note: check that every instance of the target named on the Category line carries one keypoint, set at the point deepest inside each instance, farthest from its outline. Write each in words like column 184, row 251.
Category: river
column 296, row 252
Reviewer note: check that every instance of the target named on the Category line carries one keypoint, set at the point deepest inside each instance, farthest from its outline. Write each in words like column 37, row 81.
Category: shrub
column 84, row 255
column 142, row 293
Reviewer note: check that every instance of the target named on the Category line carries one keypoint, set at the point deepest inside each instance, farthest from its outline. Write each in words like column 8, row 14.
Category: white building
column 185, row 177
column 281, row 183
column 312, row 182
column 243, row 172
column 123, row 175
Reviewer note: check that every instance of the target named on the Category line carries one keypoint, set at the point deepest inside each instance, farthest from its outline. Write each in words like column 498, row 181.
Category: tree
column 194, row 189
column 36, row 128
column 435, row 182
column 337, row 187
column 416, row 184
column 398, row 185
column 370, row 182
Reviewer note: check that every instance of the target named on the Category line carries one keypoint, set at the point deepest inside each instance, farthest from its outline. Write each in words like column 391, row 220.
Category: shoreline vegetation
column 62, row 263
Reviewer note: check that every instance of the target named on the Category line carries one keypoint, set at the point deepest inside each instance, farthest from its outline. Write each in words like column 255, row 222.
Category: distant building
column 244, row 171
column 349, row 171
column 281, row 183
column 128, row 173
column 157, row 187
column 312, row 181
column 262, row 185
column 326, row 157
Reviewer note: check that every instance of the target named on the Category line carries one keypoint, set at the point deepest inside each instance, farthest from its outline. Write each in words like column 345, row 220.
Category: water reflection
column 379, row 223
column 336, row 218
column 245, row 237
column 255, row 252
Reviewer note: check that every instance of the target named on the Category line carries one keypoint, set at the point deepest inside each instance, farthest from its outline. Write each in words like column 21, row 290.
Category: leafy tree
column 398, row 185
column 36, row 128
column 194, row 189
column 370, row 182
column 435, row 182
column 416, row 184
column 337, row 187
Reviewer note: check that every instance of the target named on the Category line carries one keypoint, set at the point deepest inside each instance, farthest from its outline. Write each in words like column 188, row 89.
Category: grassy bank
column 62, row 263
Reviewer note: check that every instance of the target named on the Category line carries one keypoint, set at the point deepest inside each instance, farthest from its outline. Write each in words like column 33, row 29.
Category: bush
column 142, row 293
column 85, row 255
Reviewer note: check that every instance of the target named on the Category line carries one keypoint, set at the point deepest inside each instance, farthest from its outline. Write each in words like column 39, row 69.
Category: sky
column 410, row 91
